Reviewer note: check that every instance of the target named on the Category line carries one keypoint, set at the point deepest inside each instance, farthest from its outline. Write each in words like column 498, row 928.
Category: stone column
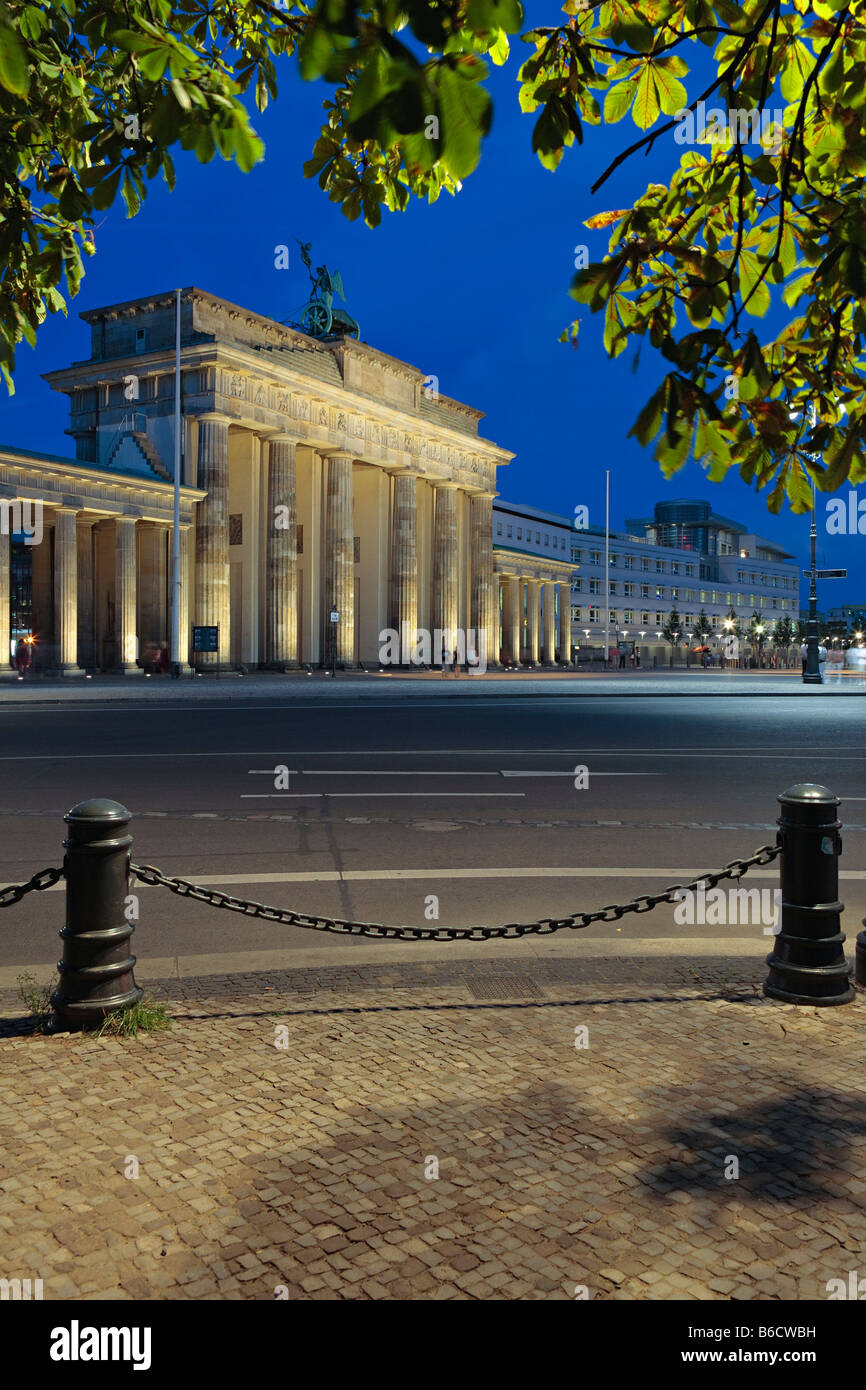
column 340, row 562
column 549, row 649
column 184, row 636
column 281, row 649
column 125, row 635
column 565, row 622
column 212, row 593
column 404, row 562
column 511, row 620
column 66, row 592
column 153, row 631
column 532, row 615
column 484, row 584
column 446, row 566
column 86, row 639
column 5, row 613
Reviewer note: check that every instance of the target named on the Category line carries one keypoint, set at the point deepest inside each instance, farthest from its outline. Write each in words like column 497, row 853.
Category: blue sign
column 205, row 639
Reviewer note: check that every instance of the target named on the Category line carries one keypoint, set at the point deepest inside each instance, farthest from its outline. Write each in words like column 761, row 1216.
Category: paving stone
column 557, row 1168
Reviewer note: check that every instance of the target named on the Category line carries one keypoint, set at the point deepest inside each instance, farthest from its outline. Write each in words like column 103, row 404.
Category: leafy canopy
column 755, row 215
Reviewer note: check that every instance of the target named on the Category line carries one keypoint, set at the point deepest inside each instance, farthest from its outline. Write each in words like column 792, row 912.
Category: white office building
column 685, row 558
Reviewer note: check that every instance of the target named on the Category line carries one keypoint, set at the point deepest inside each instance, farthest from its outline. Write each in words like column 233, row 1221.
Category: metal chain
column 16, row 891
column 543, row 927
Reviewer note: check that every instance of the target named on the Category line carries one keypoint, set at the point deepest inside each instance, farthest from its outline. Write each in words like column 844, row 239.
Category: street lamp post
column 812, row 674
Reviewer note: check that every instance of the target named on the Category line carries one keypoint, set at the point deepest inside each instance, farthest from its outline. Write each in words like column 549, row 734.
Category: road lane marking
column 574, row 751
column 675, row 876
column 275, row 796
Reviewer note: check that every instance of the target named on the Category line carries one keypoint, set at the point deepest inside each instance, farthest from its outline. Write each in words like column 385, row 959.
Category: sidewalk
column 387, row 686
column 312, row 1164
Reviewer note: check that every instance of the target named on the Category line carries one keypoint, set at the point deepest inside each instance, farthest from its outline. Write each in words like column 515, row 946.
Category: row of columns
column 73, row 595
column 540, row 644
column 282, row 640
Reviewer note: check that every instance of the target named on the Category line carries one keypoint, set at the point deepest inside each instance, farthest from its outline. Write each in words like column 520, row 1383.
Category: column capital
column 445, row 484
column 65, row 508
column 336, row 455
column 278, row 436
column 214, row 417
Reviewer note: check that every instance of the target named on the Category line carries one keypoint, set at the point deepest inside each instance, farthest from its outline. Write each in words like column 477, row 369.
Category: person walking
column 23, row 657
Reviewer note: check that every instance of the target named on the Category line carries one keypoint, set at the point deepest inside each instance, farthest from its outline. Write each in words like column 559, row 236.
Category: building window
column 357, row 558
column 510, row 532
column 300, row 530
column 675, row 569
column 628, row 589
column 236, row 529
column 644, row 564
column 140, row 339
column 593, row 615
column 660, row 593
column 499, row 528
column 595, row 557
column 520, row 533
column 690, row 569
column 575, row 586
column 546, row 538
column 628, row 561
column 644, row 590
column 660, row 566
column 614, row 559
column 595, row 586
column 644, row 617
column 675, row 593
column 660, row 617
column 612, row 588
column 576, row 555
column 628, row 616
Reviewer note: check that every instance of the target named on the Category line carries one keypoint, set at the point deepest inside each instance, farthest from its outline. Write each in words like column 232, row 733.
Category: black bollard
column 808, row 964
column 860, row 959
column 96, row 972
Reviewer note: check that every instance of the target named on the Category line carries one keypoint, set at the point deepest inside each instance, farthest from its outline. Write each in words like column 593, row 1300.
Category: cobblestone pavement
column 313, row 1166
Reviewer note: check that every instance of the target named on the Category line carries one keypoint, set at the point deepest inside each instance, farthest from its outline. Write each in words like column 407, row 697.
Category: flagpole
column 606, row 566
column 175, row 559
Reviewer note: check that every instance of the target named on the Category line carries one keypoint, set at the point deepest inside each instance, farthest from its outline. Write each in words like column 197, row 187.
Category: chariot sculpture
column 319, row 317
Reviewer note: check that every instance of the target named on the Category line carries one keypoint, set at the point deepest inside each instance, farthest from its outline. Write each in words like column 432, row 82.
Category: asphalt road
column 386, row 805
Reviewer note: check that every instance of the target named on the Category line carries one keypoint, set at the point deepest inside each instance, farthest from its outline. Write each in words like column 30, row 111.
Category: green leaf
column 646, row 104
column 14, row 73
column 618, row 100
column 105, row 193
column 486, row 15
column 465, row 113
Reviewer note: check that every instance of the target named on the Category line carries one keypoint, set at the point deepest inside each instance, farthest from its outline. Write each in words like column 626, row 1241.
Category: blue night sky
column 473, row 290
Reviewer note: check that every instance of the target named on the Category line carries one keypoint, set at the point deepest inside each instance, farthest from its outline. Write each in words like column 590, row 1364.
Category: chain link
column 735, row 870
column 16, row 891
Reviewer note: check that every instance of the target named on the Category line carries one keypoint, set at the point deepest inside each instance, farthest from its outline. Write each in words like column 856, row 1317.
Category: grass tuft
column 144, row 1017
column 36, row 998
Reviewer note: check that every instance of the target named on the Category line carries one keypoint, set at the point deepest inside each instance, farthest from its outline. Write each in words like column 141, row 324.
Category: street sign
column 335, row 617
column 826, row 574
column 205, row 639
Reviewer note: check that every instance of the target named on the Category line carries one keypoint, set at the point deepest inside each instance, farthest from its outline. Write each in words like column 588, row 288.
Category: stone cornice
column 81, row 487
column 515, row 564
column 267, row 394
